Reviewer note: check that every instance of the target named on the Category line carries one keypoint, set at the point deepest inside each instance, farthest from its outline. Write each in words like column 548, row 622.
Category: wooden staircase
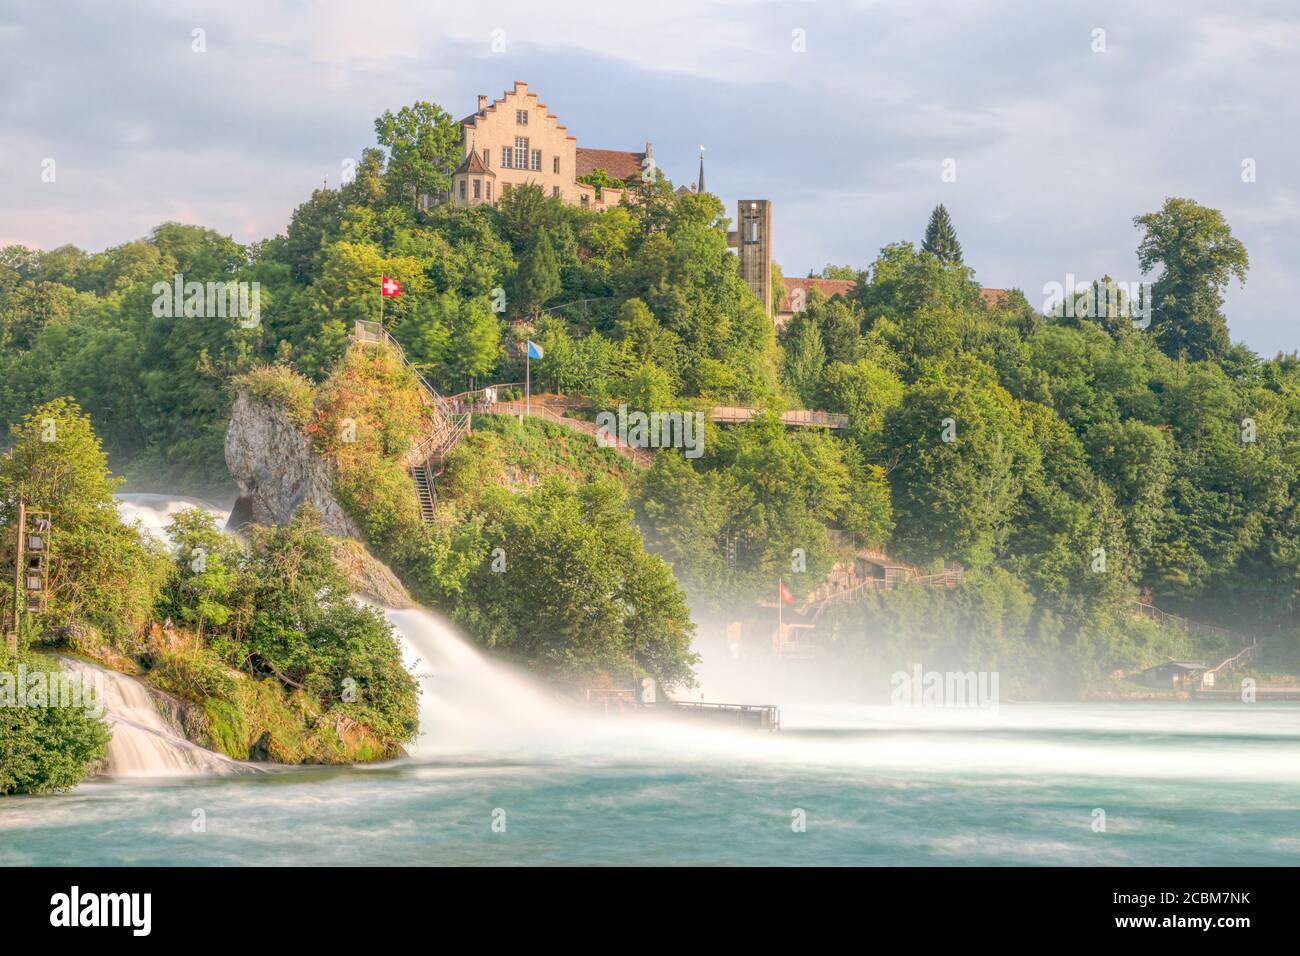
column 448, row 426
column 424, row 491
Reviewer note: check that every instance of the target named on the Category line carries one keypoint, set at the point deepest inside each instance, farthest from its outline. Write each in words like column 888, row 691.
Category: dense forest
column 1068, row 461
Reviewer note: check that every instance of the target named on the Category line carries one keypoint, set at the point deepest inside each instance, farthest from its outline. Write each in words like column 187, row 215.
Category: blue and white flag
column 534, row 350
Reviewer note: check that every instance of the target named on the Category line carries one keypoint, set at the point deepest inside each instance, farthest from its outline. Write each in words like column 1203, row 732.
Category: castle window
column 536, row 160
column 489, row 190
column 462, row 189
column 555, row 191
column 556, row 164
column 478, row 189
column 521, row 117
column 487, row 157
column 584, row 199
column 753, row 231
column 521, row 152
column 505, row 157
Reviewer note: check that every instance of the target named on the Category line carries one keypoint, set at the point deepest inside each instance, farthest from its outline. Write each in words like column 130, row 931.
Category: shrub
column 46, row 749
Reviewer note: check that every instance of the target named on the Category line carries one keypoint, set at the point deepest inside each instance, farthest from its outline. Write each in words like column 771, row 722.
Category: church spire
column 699, row 187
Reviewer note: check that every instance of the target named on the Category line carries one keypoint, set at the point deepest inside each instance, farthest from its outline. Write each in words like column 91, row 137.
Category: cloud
column 1057, row 147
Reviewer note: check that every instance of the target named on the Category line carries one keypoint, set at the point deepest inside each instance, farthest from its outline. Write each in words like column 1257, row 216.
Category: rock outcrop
column 276, row 470
column 370, row 577
column 272, row 463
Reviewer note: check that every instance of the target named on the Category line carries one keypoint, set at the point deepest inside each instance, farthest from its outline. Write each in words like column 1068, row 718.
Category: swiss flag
column 389, row 288
column 786, row 596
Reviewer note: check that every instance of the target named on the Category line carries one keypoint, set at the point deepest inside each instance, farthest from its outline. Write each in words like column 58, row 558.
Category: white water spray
column 469, row 704
column 143, row 745
column 155, row 512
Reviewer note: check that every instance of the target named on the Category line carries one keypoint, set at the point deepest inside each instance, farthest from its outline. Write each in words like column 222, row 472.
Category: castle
column 516, row 140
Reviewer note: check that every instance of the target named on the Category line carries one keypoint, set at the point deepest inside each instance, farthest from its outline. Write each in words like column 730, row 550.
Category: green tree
column 103, row 572
column 579, row 594
column 538, row 278
column 960, row 460
column 44, row 749
column 1199, row 256
column 204, row 576
column 805, row 357
column 423, row 144
column 941, row 237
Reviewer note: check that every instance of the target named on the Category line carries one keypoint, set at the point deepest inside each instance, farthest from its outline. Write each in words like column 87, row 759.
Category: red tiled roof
column 474, row 165
column 827, row 287
column 993, row 298
column 616, row 162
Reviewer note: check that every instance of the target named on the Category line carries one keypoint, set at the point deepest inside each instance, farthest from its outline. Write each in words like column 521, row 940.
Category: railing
column 948, row 578
column 739, row 414
column 1246, row 654
column 1243, row 656
column 1153, row 613
column 374, row 333
column 764, row 716
column 637, row 455
column 449, row 426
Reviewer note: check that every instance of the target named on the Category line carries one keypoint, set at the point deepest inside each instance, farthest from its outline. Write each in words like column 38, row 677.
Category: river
column 504, row 774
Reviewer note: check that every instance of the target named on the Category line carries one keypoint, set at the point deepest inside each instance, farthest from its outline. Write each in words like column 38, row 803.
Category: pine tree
column 941, row 237
column 538, row 278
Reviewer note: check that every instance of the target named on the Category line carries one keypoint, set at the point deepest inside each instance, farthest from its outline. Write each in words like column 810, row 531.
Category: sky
column 1062, row 122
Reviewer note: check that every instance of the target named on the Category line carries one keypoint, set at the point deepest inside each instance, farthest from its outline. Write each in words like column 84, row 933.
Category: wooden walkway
column 1249, row 644
column 897, row 574
column 795, row 418
column 641, row 457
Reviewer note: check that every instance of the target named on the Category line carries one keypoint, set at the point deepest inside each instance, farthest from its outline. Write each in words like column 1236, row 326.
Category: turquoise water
column 1180, row 783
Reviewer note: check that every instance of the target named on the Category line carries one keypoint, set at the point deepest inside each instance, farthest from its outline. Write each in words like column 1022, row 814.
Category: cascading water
column 467, row 702
column 155, row 512
column 143, row 745
column 1206, row 784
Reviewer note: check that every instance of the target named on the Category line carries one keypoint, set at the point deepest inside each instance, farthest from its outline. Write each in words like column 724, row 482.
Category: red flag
column 389, row 288
column 786, row 596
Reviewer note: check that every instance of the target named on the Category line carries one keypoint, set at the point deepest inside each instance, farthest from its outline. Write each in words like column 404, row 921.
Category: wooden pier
column 752, row 716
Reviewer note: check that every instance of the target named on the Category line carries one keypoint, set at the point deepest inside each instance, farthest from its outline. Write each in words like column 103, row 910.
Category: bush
column 280, row 386
column 45, row 749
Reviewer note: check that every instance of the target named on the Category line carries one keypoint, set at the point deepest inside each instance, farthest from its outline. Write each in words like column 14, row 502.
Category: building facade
column 515, row 140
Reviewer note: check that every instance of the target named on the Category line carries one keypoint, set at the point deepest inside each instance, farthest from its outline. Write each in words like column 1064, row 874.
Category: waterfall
column 143, row 745
column 468, row 703
column 154, row 512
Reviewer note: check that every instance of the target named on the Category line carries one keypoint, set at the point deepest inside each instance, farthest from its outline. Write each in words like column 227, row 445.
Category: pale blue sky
column 1057, row 147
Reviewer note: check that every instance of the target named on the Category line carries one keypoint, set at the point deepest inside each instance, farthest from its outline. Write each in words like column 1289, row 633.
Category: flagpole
column 381, row 303
column 528, row 378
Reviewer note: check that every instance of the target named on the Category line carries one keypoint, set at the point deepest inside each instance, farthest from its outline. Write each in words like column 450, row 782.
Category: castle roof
column 473, row 165
column 993, row 298
column 520, row 90
column 827, row 287
column 616, row 162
